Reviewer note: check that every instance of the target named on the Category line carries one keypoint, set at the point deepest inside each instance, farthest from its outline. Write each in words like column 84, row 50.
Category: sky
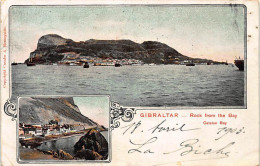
column 94, row 107
column 211, row 32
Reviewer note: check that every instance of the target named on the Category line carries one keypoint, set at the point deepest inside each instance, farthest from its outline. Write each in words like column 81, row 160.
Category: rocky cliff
column 43, row 110
column 50, row 49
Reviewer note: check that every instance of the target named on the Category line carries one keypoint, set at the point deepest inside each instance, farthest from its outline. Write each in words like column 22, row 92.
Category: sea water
column 146, row 86
column 66, row 144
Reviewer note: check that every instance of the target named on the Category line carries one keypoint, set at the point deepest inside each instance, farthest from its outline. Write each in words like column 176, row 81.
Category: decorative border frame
column 10, row 109
column 118, row 113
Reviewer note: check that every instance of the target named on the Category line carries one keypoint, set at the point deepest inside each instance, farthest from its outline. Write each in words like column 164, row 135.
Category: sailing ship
column 86, row 65
column 14, row 63
column 226, row 63
column 30, row 63
column 239, row 64
column 117, row 64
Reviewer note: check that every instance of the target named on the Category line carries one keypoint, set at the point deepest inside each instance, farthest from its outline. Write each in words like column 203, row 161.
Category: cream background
column 247, row 147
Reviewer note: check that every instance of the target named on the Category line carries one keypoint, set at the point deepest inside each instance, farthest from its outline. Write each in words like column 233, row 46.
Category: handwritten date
column 177, row 127
column 161, row 127
column 226, row 130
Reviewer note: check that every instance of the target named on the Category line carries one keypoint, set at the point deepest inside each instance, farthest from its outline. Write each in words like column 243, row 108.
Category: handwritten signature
column 189, row 146
column 141, row 145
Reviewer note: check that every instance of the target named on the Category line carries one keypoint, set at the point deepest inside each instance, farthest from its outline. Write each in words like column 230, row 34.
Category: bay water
column 146, row 86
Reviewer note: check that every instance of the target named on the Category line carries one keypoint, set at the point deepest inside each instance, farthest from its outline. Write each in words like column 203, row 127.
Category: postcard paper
column 129, row 83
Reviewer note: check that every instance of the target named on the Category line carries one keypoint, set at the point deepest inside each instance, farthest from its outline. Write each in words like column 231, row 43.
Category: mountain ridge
column 51, row 49
column 42, row 110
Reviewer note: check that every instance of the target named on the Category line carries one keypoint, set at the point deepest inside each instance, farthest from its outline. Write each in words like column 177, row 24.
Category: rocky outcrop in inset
column 92, row 146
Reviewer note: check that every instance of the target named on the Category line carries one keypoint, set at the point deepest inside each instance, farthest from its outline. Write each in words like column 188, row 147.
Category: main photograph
column 140, row 55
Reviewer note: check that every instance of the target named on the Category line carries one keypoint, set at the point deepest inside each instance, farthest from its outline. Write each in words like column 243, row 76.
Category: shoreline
column 146, row 64
column 36, row 141
column 33, row 153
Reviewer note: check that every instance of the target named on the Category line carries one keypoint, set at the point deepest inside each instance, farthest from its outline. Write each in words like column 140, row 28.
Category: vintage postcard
column 130, row 82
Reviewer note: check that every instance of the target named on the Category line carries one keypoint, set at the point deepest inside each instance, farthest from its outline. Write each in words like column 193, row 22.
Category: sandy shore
column 34, row 154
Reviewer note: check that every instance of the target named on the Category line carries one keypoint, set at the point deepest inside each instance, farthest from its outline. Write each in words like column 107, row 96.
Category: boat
column 226, row 63
column 239, row 64
column 86, row 65
column 190, row 64
column 14, row 63
column 30, row 63
column 117, row 65
column 29, row 143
